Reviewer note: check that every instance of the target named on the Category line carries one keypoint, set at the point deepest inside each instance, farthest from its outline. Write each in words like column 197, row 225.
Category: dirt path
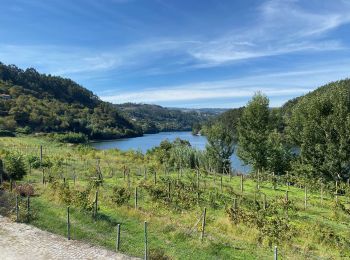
column 21, row 241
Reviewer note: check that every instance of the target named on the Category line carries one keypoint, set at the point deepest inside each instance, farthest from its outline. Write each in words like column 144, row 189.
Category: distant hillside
column 34, row 102
column 330, row 88
column 154, row 118
column 31, row 102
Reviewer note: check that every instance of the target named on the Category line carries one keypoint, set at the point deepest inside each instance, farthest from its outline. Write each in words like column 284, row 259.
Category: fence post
column 305, row 198
column 1, row 170
column 169, row 190
column 265, row 202
column 221, row 183
column 28, row 207
column 128, row 177
column 68, row 224
column 287, row 197
column 136, row 197
column 242, row 189
column 197, row 179
column 235, row 203
column 321, row 193
column 96, row 204
column 275, row 253
column 155, row 177
column 146, row 242
column 17, row 209
column 203, row 223
column 117, row 246
column 41, row 155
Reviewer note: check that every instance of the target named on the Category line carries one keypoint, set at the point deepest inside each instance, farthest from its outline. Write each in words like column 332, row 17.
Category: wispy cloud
column 281, row 27
column 279, row 86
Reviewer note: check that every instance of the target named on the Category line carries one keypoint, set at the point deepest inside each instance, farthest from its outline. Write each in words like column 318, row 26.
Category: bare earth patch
column 21, row 241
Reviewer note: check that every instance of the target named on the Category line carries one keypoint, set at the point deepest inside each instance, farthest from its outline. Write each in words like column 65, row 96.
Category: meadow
column 242, row 222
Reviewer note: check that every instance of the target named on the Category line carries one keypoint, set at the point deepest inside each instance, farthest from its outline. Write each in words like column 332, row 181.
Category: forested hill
column 154, row 118
column 329, row 89
column 33, row 102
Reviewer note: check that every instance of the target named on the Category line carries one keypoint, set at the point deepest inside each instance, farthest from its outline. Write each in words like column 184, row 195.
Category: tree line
column 307, row 139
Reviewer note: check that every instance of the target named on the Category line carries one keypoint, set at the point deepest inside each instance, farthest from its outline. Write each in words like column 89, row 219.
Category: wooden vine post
column 96, row 204
column 203, row 223
column 117, row 246
column 146, row 242
column 136, row 194
column 305, row 198
column 28, row 207
column 68, row 224
column 17, row 209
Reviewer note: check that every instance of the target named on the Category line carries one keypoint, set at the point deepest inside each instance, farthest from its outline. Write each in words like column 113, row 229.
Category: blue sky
column 181, row 53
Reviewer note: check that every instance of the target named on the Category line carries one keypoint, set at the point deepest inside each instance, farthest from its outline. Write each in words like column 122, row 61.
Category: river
column 149, row 141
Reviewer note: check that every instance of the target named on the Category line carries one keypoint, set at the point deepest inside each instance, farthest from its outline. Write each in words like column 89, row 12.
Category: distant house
column 5, row 96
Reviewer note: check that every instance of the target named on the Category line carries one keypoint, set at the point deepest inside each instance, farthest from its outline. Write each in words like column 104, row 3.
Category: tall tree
column 220, row 146
column 253, row 132
column 320, row 127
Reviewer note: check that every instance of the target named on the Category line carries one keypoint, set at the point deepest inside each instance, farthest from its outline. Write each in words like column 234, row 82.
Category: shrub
column 120, row 195
column 272, row 223
column 74, row 138
column 25, row 190
column 23, row 130
column 15, row 167
column 158, row 254
column 6, row 133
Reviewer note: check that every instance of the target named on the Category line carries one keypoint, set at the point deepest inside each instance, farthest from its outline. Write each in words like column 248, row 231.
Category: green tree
column 320, row 126
column 220, row 146
column 14, row 166
column 253, row 133
column 278, row 154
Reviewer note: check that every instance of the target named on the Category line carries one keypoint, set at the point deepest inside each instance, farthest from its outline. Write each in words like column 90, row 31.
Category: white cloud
column 280, row 86
column 281, row 27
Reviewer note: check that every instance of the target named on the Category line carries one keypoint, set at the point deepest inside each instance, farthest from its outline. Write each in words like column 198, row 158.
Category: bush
column 158, row 254
column 15, row 167
column 6, row 133
column 25, row 190
column 23, row 130
column 272, row 223
column 120, row 195
column 74, row 138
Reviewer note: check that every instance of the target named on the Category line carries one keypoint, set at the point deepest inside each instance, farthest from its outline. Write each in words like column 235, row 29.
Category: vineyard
column 190, row 213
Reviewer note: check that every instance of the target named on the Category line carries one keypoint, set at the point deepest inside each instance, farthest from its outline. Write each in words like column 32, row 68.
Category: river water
column 149, row 141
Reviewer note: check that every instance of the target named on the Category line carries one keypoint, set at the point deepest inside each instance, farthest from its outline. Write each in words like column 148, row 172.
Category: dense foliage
column 154, row 118
column 15, row 168
column 45, row 103
column 319, row 124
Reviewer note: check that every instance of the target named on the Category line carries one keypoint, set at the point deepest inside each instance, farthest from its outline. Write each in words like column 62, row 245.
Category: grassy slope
column 168, row 229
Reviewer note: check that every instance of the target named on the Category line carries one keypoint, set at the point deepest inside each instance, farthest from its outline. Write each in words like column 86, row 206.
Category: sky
column 181, row 53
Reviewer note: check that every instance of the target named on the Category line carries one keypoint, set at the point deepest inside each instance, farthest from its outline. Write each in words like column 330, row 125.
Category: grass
column 320, row 231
